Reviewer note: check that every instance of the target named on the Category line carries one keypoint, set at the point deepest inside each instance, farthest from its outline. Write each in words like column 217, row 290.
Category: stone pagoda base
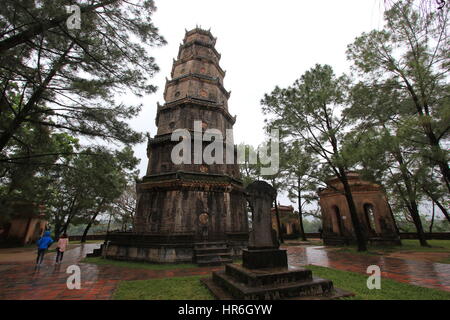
column 173, row 248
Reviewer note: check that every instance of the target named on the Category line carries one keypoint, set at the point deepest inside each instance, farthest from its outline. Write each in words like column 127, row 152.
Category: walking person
column 61, row 247
column 43, row 243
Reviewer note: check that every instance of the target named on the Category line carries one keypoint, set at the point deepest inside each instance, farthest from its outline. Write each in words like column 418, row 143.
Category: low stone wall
column 428, row 236
column 157, row 254
column 88, row 238
column 91, row 237
column 403, row 235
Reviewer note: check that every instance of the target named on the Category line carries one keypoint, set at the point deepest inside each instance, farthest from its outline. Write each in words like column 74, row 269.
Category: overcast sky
column 263, row 44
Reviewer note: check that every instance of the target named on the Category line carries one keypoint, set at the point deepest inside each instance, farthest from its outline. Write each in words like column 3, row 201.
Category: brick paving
column 98, row 282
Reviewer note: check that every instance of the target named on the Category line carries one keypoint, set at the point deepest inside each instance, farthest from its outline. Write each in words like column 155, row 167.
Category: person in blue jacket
column 43, row 243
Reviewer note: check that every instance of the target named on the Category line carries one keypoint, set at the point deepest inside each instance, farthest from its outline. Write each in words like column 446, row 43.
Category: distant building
column 27, row 223
column 290, row 225
column 374, row 212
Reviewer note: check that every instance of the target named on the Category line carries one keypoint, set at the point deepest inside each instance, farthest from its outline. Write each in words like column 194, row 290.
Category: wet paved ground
column 421, row 273
column 23, row 281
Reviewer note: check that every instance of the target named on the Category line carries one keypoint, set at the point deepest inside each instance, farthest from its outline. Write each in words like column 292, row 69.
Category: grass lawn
column 445, row 260
column 390, row 289
column 407, row 246
column 436, row 245
column 190, row 288
column 137, row 265
column 184, row 288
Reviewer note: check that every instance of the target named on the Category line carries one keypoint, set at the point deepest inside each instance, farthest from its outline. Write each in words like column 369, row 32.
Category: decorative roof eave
column 197, row 76
column 203, row 102
column 200, row 31
column 205, row 58
column 201, row 43
column 167, row 138
column 214, row 106
column 351, row 175
column 354, row 189
column 190, row 179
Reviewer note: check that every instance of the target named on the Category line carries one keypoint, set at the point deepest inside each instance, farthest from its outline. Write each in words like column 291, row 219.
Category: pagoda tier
column 195, row 93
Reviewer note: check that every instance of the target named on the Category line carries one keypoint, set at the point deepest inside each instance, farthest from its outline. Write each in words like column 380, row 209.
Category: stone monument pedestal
column 264, row 273
column 237, row 282
column 264, row 258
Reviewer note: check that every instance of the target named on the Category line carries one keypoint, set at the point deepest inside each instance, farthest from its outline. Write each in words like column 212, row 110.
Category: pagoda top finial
column 199, row 29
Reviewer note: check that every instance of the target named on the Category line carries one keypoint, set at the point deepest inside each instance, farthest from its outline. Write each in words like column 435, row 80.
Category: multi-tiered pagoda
column 186, row 210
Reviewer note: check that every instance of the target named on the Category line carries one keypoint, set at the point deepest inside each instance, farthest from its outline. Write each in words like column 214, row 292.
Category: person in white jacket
column 61, row 247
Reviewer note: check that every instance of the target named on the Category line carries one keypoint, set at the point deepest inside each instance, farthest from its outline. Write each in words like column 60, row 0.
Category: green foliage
column 89, row 183
column 310, row 111
column 401, row 108
column 249, row 171
column 68, row 79
column 59, row 84
column 28, row 172
column 301, row 177
column 404, row 70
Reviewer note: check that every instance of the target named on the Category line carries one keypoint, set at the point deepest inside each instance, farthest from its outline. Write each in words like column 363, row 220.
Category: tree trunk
column 86, row 230
column 439, row 204
column 437, row 152
column 58, row 226
column 109, row 223
column 94, row 216
column 443, row 209
column 277, row 213
column 410, row 198
column 414, row 211
column 360, row 239
column 439, row 156
column 432, row 219
column 393, row 217
column 71, row 214
column 300, row 211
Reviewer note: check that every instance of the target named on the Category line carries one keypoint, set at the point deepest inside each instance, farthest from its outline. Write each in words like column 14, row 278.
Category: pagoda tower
column 180, row 206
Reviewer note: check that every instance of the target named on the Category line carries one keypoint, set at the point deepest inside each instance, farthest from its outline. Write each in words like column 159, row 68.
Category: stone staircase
column 212, row 253
column 236, row 282
column 96, row 252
